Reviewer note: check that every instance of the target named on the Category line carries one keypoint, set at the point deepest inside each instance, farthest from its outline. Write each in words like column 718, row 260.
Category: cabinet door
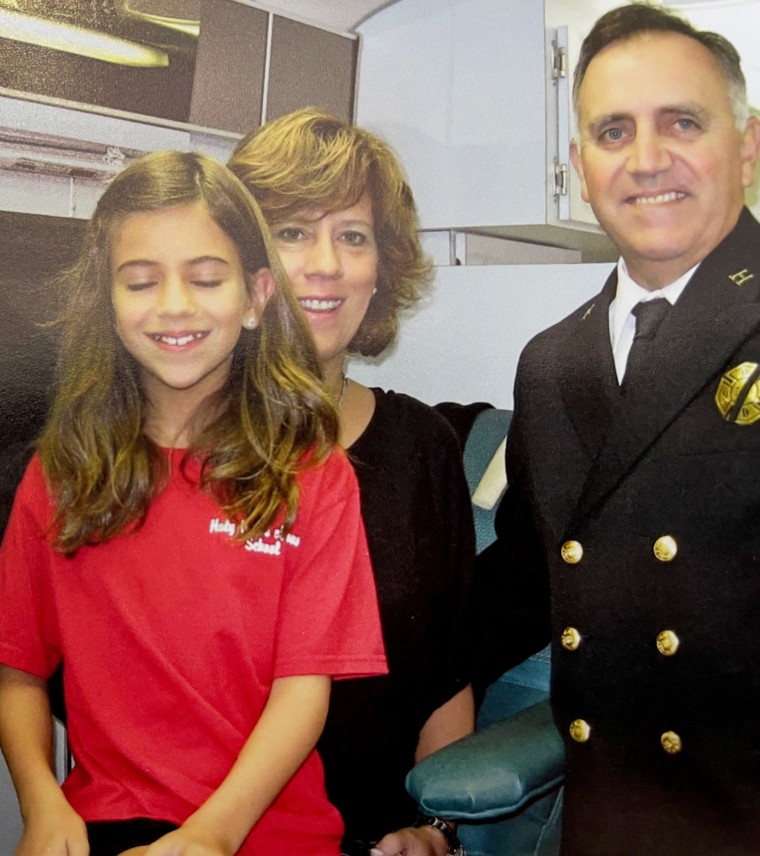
column 229, row 67
column 310, row 67
column 572, row 23
column 458, row 87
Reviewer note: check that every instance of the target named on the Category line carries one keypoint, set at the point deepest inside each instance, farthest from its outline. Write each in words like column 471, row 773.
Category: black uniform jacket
column 643, row 505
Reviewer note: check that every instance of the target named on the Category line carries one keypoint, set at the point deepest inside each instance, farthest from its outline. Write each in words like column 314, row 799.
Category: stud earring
column 374, row 290
column 251, row 322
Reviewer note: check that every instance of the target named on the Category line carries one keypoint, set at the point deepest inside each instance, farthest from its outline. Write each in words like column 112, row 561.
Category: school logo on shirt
column 223, row 527
column 270, row 542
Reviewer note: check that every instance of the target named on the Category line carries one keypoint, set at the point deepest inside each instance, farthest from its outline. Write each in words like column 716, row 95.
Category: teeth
column 178, row 340
column 313, row 305
column 656, row 200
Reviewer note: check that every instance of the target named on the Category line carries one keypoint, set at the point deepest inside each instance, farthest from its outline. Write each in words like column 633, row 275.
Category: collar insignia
column 741, row 276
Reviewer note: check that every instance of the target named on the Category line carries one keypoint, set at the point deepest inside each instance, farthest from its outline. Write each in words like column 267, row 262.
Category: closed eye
column 207, row 283
column 139, row 286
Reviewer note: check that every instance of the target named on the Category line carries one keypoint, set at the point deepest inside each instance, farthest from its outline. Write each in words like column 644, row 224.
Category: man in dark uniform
column 634, row 458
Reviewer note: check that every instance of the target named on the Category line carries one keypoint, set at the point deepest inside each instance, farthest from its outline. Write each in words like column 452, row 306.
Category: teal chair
column 502, row 784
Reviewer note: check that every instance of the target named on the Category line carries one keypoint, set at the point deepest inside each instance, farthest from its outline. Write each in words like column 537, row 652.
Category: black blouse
column 417, row 514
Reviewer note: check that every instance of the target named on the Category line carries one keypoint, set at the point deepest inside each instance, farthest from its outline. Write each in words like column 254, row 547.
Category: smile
column 673, row 196
column 177, row 341
column 310, row 304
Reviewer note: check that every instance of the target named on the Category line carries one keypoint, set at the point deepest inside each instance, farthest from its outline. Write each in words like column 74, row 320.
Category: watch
column 446, row 829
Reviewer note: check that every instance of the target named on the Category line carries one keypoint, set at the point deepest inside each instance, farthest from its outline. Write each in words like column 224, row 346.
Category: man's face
column 660, row 158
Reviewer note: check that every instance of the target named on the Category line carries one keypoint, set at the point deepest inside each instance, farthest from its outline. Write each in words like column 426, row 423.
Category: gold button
column 665, row 548
column 580, row 730
column 667, row 643
column 671, row 742
column 572, row 552
column 571, row 639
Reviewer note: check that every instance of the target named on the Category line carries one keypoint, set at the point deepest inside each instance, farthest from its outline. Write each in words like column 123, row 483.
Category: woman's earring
column 374, row 290
column 250, row 322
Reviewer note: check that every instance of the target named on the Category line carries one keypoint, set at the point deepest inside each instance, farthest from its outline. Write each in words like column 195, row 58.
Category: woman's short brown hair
column 311, row 159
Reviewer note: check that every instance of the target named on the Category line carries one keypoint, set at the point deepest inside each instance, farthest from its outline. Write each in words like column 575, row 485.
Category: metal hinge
column 559, row 61
column 560, row 178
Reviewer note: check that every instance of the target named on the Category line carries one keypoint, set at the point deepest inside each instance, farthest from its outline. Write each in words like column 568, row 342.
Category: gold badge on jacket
column 738, row 394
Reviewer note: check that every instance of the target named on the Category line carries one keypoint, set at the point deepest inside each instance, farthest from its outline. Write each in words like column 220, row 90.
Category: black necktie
column 649, row 315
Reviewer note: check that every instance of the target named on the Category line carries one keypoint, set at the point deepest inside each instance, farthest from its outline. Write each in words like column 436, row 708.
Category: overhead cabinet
column 253, row 65
column 458, row 88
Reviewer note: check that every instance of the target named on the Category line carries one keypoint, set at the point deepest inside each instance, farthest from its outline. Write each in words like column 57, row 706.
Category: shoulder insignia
column 588, row 312
column 738, row 394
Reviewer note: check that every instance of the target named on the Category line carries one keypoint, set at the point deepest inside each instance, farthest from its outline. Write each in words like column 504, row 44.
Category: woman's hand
column 409, row 841
column 59, row 832
column 191, row 839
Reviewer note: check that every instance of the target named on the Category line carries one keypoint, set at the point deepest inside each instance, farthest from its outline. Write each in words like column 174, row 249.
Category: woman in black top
column 345, row 226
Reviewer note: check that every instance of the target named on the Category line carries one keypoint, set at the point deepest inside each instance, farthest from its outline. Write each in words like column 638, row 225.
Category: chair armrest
column 492, row 772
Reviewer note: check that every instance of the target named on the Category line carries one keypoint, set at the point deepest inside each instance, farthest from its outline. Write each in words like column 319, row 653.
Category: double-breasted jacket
column 641, row 506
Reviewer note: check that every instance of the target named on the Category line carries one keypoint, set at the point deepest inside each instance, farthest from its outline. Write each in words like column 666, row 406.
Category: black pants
column 111, row 837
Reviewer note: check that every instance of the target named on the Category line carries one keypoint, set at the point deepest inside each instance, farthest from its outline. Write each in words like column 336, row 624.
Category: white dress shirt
column 622, row 319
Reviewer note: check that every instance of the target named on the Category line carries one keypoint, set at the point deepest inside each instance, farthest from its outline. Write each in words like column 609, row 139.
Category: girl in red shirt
column 186, row 540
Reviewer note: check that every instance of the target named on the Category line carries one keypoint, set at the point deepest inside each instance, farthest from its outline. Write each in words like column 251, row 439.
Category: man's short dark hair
column 633, row 19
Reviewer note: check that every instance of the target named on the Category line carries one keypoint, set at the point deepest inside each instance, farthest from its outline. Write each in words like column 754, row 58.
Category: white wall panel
column 463, row 343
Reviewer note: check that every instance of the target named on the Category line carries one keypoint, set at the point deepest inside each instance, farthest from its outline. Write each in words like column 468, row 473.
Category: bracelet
column 446, row 829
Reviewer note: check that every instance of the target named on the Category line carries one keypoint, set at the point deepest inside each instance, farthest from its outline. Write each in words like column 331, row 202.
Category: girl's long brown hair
column 271, row 419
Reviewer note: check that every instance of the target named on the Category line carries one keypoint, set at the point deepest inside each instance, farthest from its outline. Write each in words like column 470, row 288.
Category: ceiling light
column 181, row 25
column 59, row 36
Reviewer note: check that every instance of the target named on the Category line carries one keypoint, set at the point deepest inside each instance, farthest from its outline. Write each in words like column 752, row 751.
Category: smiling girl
column 186, row 540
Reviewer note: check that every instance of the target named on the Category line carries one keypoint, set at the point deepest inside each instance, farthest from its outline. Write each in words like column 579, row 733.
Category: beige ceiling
column 334, row 14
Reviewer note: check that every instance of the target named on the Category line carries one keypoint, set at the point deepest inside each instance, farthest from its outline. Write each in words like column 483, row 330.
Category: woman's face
column 331, row 260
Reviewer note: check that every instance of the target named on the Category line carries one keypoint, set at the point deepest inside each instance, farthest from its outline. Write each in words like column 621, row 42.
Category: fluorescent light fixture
column 56, row 35
column 182, row 25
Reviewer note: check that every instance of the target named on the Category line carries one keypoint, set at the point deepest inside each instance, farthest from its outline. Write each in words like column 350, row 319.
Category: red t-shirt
column 172, row 635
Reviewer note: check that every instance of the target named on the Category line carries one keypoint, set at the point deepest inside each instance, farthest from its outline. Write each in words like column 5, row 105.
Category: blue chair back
column 536, row 830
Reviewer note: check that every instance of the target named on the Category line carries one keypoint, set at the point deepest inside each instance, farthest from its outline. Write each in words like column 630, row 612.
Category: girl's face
column 331, row 260
column 180, row 297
